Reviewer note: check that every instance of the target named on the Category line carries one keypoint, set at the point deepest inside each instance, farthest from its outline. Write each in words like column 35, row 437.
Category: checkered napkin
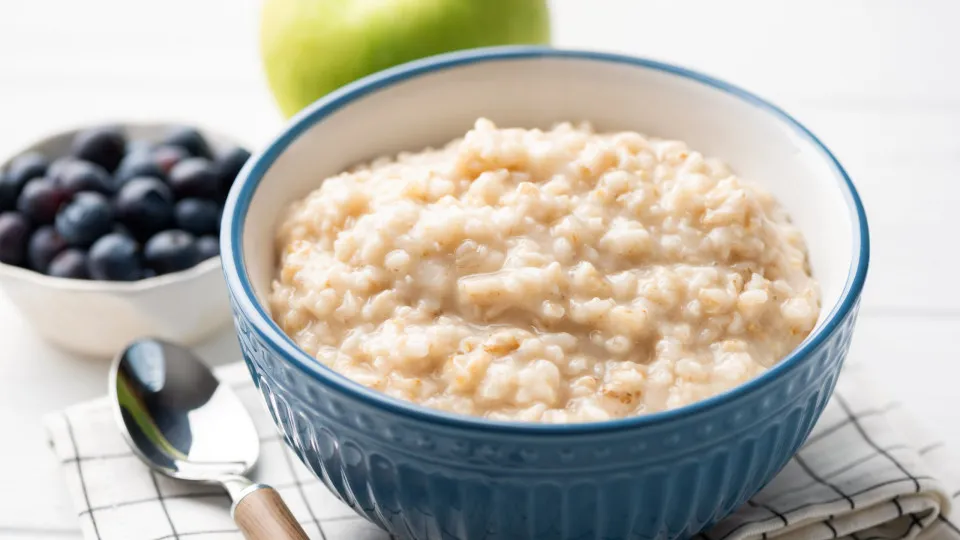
column 868, row 472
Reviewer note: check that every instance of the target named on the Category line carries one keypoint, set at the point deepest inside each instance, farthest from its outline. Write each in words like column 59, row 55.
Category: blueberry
column 10, row 188
column 22, row 170
column 197, row 216
column 208, row 246
column 14, row 235
column 134, row 164
column 87, row 217
column 104, row 146
column 60, row 166
column 194, row 177
column 44, row 245
column 190, row 140
column 40, row 200
column 168, row 156
column 145, row 206
column 78, row 176
column 228, row 167
column 28, row 166
column 114, row 258
column 171, row 251
column 70, row 263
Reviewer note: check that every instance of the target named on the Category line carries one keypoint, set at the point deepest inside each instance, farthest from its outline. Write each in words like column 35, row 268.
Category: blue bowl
column 425, row 474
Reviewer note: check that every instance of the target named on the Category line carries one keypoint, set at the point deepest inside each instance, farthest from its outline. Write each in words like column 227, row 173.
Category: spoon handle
column 262, row 515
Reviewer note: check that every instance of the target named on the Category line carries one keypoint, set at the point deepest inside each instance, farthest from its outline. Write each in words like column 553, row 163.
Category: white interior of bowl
column 438, row 106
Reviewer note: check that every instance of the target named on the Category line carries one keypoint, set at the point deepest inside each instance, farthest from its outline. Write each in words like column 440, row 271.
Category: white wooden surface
column 878, row 80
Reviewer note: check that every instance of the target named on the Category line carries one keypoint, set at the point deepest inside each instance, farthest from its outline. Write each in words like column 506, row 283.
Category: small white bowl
column 99, row 318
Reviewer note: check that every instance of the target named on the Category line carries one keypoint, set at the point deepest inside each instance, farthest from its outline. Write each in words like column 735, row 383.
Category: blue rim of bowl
column 238, row 203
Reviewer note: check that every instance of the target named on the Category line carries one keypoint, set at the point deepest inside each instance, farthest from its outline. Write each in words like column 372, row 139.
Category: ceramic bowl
column 424, row 474
column 99, row 318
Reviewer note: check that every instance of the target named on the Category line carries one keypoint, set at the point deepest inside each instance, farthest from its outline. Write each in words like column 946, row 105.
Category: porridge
column 546, row 276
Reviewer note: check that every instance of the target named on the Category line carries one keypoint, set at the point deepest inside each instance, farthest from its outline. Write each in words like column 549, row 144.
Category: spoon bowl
column 183, row 423
column 178, row 417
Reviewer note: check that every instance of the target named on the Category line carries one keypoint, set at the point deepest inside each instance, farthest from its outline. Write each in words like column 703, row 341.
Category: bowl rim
column 112, row 287
column 243, row 190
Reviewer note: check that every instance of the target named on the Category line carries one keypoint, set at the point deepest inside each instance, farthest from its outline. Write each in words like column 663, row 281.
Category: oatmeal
column 545, row 276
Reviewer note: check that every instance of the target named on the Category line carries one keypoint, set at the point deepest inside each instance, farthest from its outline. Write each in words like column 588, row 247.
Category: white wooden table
column 878, row 80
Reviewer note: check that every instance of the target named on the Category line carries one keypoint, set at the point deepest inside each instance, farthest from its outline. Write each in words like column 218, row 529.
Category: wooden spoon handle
column 262, row 515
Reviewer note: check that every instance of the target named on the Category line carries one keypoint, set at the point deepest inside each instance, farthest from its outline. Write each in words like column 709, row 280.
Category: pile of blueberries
column 115, row 209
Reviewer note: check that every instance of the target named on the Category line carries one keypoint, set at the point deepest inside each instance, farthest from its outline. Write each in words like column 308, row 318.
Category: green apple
column 311, row 47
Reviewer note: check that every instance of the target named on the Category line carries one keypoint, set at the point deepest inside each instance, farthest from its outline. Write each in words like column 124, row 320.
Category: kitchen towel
column 868, row 471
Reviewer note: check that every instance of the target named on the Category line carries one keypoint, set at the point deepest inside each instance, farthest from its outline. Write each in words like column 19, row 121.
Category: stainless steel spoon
column 184, row 424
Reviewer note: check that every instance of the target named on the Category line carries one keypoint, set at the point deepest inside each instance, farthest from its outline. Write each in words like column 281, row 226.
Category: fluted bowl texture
column 425, row 474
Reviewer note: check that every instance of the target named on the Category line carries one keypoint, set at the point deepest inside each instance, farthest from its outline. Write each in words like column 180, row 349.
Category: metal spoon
column 184, row 424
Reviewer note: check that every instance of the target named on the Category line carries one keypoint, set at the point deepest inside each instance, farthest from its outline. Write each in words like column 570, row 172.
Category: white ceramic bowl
column 99, row 318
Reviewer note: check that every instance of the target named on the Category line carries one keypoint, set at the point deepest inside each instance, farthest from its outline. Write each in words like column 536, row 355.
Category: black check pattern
column 149, row 513
column 856, row 477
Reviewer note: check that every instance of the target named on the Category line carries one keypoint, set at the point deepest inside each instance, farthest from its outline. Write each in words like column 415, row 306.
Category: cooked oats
column 544, row 276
